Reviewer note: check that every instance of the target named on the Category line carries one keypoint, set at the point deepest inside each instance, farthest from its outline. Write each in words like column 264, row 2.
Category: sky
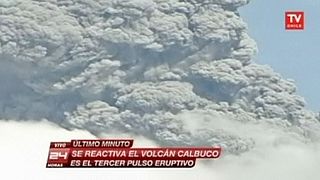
column 294, row 54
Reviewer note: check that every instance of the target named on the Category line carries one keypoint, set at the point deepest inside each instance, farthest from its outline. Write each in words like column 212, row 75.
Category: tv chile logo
column 294, row 20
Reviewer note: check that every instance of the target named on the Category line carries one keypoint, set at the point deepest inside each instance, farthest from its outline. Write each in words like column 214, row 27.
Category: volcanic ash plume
column 177, row 72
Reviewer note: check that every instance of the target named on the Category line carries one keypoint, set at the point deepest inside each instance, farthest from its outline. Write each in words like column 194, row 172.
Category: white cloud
column 24, row 148
column 24, row 151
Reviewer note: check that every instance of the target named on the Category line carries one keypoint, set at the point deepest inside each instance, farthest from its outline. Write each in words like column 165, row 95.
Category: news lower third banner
column 117, row 153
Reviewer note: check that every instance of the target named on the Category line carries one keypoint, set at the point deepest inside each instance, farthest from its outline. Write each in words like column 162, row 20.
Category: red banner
column 119, row 153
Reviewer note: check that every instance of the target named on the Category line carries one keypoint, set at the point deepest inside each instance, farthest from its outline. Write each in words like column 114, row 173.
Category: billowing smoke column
column 176, row 71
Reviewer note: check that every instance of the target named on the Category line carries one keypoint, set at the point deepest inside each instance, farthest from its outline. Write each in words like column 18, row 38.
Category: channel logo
column 294, row 20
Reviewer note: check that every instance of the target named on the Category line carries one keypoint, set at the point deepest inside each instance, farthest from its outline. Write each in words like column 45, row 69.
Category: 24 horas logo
column 294, row 20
